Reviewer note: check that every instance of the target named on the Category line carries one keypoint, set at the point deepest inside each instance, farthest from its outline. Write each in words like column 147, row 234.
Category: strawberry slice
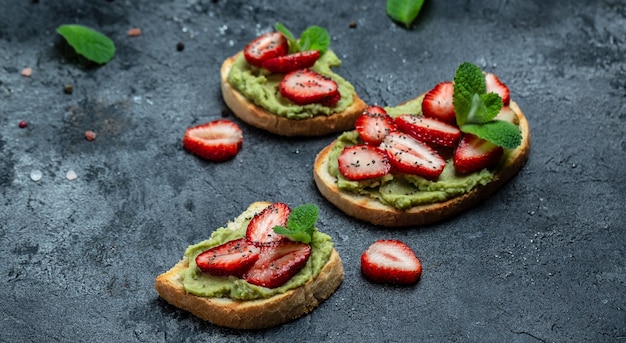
column 374, row 124
column 474, row 154
column 215, row 141
column 410, row 156
column 496, row 86
column 264, row 47
column 260, row 229
column 429, row 130
column 231, row 258
column 278, row 263
column 359, row 162
column 305, row 86
column 390, row 261
column 291, row 62
column 437, row 103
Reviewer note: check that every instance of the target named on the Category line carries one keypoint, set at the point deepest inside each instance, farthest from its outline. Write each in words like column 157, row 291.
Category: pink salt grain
column 90, row 135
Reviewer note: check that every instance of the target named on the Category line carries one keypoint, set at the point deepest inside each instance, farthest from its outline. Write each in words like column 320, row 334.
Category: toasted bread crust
column 262, row 119
column 252, row 314
column 375, row 212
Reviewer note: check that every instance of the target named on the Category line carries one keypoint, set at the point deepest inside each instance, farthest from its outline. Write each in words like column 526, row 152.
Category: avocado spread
column 205, row 285
column 261, row 87
column 404, row 191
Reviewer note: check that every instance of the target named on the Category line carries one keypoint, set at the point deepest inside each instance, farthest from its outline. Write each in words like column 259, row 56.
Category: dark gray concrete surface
column 543, row 260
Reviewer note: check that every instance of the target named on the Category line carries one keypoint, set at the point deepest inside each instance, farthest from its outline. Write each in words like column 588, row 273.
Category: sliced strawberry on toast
column 359, row 162
column 216, row 141
column 438, row 104
column 410, row 156
column 278, row 263
column 264, row 47
column 231, row 258
column 260, row 230
column 374, row 124
column 291, row 62
column 494, row 85
column 474, row 154
column 429, row 130
column 391, row 261
column 305, row 86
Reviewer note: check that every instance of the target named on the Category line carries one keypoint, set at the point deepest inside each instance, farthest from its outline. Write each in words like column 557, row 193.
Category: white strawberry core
column 391, row 256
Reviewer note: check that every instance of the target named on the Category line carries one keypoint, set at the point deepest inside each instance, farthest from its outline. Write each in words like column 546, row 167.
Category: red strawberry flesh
column 216, row 141
column 291, row 62
column 231, row 258
column 494, row 85
column 391, row 261
column 359, row 162
column 374, row 124
column 437, row 103
column 410, row 156
column 264, row 47
column 278, row 263
column 474, row 154
column 429, row 130
column 305, row 86
column 260, row 230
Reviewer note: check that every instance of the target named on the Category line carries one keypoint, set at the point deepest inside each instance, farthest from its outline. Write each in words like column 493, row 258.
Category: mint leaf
column 299, row 236
column 498, row 132
column 404, row 11
column 300, row 224
column 315, row 38
column 294, row 46
column 476, row 109
column 468, row 80
column 484, row 107
column 89, row 43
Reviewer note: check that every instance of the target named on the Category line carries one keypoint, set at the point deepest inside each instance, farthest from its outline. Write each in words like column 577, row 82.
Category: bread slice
column 252, row 314
column 375, row 212
column 256, row 116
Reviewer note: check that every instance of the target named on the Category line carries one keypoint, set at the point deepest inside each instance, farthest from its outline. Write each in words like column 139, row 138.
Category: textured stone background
column 543, row 260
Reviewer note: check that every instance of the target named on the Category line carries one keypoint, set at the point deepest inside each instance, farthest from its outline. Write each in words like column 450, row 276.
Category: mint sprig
column 404, row 11
column 476, row 109
column 89, row 43
column 300, row 224
column 313, row 38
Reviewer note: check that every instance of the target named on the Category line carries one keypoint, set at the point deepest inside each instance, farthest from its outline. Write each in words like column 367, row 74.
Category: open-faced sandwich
column 286, row 86
column 268, row 266
column 429, row 158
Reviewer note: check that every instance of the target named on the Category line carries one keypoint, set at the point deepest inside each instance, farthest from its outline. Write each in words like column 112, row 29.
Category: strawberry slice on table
column 429, row 130
column 216, row 141
column 264, row 47
column 496, row 86
column 410, row 156
column 231, row 258
column 260, row 230
column 437, row 103
column 291, row 62
column 359, row 162
column 278, row 263
column 374, row 124
column 305, row 86
column 390, row 261
column 474, row 154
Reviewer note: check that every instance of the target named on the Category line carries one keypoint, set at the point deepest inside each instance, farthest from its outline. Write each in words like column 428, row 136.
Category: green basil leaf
column 404, row 11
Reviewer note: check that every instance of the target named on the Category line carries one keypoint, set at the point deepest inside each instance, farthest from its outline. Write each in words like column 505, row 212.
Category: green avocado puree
column 404, row 191
column 205, row 285
column 261, row 87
